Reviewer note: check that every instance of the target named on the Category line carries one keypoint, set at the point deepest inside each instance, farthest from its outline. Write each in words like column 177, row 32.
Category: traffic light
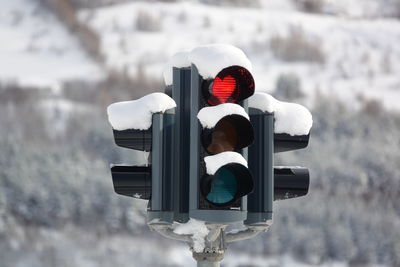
column 220, row 134
column 275, row 183
column 212, row 141
column 146, row 124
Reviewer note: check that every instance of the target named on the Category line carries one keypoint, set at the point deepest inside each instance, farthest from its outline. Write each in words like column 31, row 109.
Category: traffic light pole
column 208, row 263
column 215, row 242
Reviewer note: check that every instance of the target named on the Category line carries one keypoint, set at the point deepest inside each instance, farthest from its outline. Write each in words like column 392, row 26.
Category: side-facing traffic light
column 280, row 127
column 220, row 134
column 146, row 124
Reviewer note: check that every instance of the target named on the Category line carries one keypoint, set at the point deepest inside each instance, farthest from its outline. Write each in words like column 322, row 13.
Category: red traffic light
column 231, row 85
column 223, row 90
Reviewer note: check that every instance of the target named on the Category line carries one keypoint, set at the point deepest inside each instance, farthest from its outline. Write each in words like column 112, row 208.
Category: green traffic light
column 223, row 187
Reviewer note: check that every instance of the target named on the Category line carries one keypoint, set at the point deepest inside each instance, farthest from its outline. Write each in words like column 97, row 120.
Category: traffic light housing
column 260, row 201
column 220, row 133
column 154, row 181
column 272, row 183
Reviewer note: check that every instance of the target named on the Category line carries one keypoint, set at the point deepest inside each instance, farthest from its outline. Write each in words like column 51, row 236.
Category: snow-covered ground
column 37, row 50
column 357, row 57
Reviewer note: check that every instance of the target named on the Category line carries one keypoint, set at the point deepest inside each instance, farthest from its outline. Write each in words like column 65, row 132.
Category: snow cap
column 213, row 163
column 209, row 116
column 179, row 60
column 290, row 118
column 209, row 60
column 137, row 114
column 197, row 229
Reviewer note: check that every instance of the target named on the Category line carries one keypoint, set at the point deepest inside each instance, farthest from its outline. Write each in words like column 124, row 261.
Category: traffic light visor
column 290, row 182
column 132, row 181
column 231, row 85
column 229, row 183
column 285, row 142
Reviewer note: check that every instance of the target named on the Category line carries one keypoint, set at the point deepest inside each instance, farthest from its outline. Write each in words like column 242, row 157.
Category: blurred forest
column 54, row 179
column 58, row 207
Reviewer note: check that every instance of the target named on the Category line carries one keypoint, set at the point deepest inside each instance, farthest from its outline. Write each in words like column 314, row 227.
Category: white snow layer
column 179, row 60
column 197, row 229
column 213, row 163
column 290, row 118
column 137, row 114
column 209, row 60
column 209, row 116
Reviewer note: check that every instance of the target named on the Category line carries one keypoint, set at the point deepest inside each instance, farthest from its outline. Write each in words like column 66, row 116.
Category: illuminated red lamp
column 231, row 85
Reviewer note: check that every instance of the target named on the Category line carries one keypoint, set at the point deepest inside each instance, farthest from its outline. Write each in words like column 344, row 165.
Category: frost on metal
column 209, row 60
column 197, row 229
column 290, row 118
column 137, row 114
column 213, row 163
column 209, row 116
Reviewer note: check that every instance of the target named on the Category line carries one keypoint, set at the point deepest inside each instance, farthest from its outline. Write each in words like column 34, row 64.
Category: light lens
column 232, row 85
column 224, row 90
column 228, row 184
column 223, row 138
column 223, row 187
column 231, row 133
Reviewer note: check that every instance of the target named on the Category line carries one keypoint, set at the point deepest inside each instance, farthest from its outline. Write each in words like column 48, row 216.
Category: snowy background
column 62, row 62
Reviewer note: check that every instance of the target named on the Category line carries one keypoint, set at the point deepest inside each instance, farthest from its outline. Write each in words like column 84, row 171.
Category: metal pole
column 208, row 258
column 208, row 263
column 214, row 252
